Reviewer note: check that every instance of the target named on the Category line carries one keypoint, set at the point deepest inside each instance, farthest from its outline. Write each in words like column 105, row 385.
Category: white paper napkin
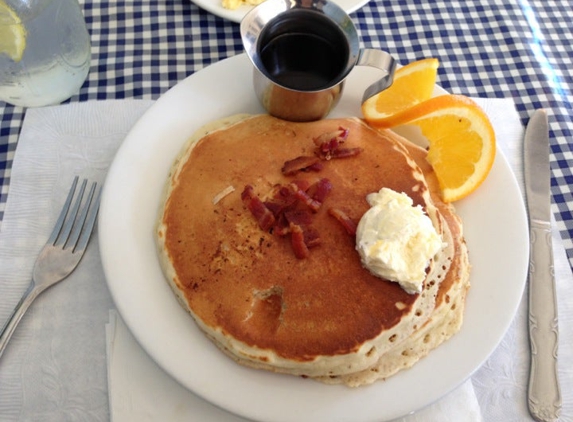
column 54, row 369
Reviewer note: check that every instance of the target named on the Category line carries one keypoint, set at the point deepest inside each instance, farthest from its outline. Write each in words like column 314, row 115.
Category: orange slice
column 461, row 141
column 412, row 84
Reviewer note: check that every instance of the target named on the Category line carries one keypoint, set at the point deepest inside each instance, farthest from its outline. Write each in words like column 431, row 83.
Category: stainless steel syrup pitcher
column 302, row 51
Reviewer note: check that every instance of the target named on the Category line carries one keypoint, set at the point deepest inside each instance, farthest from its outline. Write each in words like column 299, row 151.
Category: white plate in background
column 215, row 7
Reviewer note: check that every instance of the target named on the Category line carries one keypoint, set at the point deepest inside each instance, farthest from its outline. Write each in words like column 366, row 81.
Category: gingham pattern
column 507, row 48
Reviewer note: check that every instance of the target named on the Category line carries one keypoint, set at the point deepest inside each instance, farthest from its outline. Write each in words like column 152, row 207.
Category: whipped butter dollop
column 396, row 239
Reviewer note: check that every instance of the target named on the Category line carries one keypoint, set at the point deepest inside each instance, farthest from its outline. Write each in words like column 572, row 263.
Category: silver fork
column 61, row 253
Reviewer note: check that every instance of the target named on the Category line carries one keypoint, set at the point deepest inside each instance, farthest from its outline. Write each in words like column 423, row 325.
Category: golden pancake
column 322, row 316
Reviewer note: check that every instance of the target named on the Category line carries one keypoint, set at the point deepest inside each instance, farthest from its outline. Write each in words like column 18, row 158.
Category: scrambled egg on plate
column 234, row 4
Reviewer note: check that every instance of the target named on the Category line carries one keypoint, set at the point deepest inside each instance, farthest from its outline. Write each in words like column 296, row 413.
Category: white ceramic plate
column 494, row 223
column 215, row 7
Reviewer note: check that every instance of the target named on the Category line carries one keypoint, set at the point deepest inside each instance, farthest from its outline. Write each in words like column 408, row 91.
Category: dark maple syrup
column 303, row 50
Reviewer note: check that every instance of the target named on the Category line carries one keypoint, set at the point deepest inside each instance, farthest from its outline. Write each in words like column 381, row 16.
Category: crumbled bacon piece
column 329, row 145
column 282, row 226
column 303, row 235
column 320, row 190
column 311, row 237
column 262, row 214
column 331, row 140
column 304, row 197
column 302, row 184
column 345, row 152
column 297, row 164
column 315, row 167
column 297, row 240
column 314, row 195
column 282, row 198
column 347, row 222
column 300, row 217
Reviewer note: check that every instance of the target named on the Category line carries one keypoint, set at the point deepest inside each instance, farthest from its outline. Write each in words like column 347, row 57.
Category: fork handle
column 26, row 300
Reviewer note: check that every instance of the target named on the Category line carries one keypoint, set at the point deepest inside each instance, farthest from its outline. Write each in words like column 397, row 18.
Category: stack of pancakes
column 325, row 316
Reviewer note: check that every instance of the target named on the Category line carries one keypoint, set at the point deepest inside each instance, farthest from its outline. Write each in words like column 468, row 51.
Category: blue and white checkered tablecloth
column 516, row 49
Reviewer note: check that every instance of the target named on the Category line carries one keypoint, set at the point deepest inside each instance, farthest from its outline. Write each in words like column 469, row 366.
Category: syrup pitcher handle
column 380, row 60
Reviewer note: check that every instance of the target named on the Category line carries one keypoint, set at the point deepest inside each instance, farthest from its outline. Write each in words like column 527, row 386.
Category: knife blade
column 544, row 394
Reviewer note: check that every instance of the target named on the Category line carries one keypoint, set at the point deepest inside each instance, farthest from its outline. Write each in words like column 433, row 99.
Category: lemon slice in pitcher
column 12, row 33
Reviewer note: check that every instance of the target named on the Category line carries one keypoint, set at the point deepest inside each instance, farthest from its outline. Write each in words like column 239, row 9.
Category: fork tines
column 68, row 231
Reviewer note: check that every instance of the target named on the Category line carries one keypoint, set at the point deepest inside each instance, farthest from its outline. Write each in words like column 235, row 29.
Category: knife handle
column 544, row 395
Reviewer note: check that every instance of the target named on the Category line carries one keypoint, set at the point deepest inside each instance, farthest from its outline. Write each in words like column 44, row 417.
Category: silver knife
column 544, row 395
